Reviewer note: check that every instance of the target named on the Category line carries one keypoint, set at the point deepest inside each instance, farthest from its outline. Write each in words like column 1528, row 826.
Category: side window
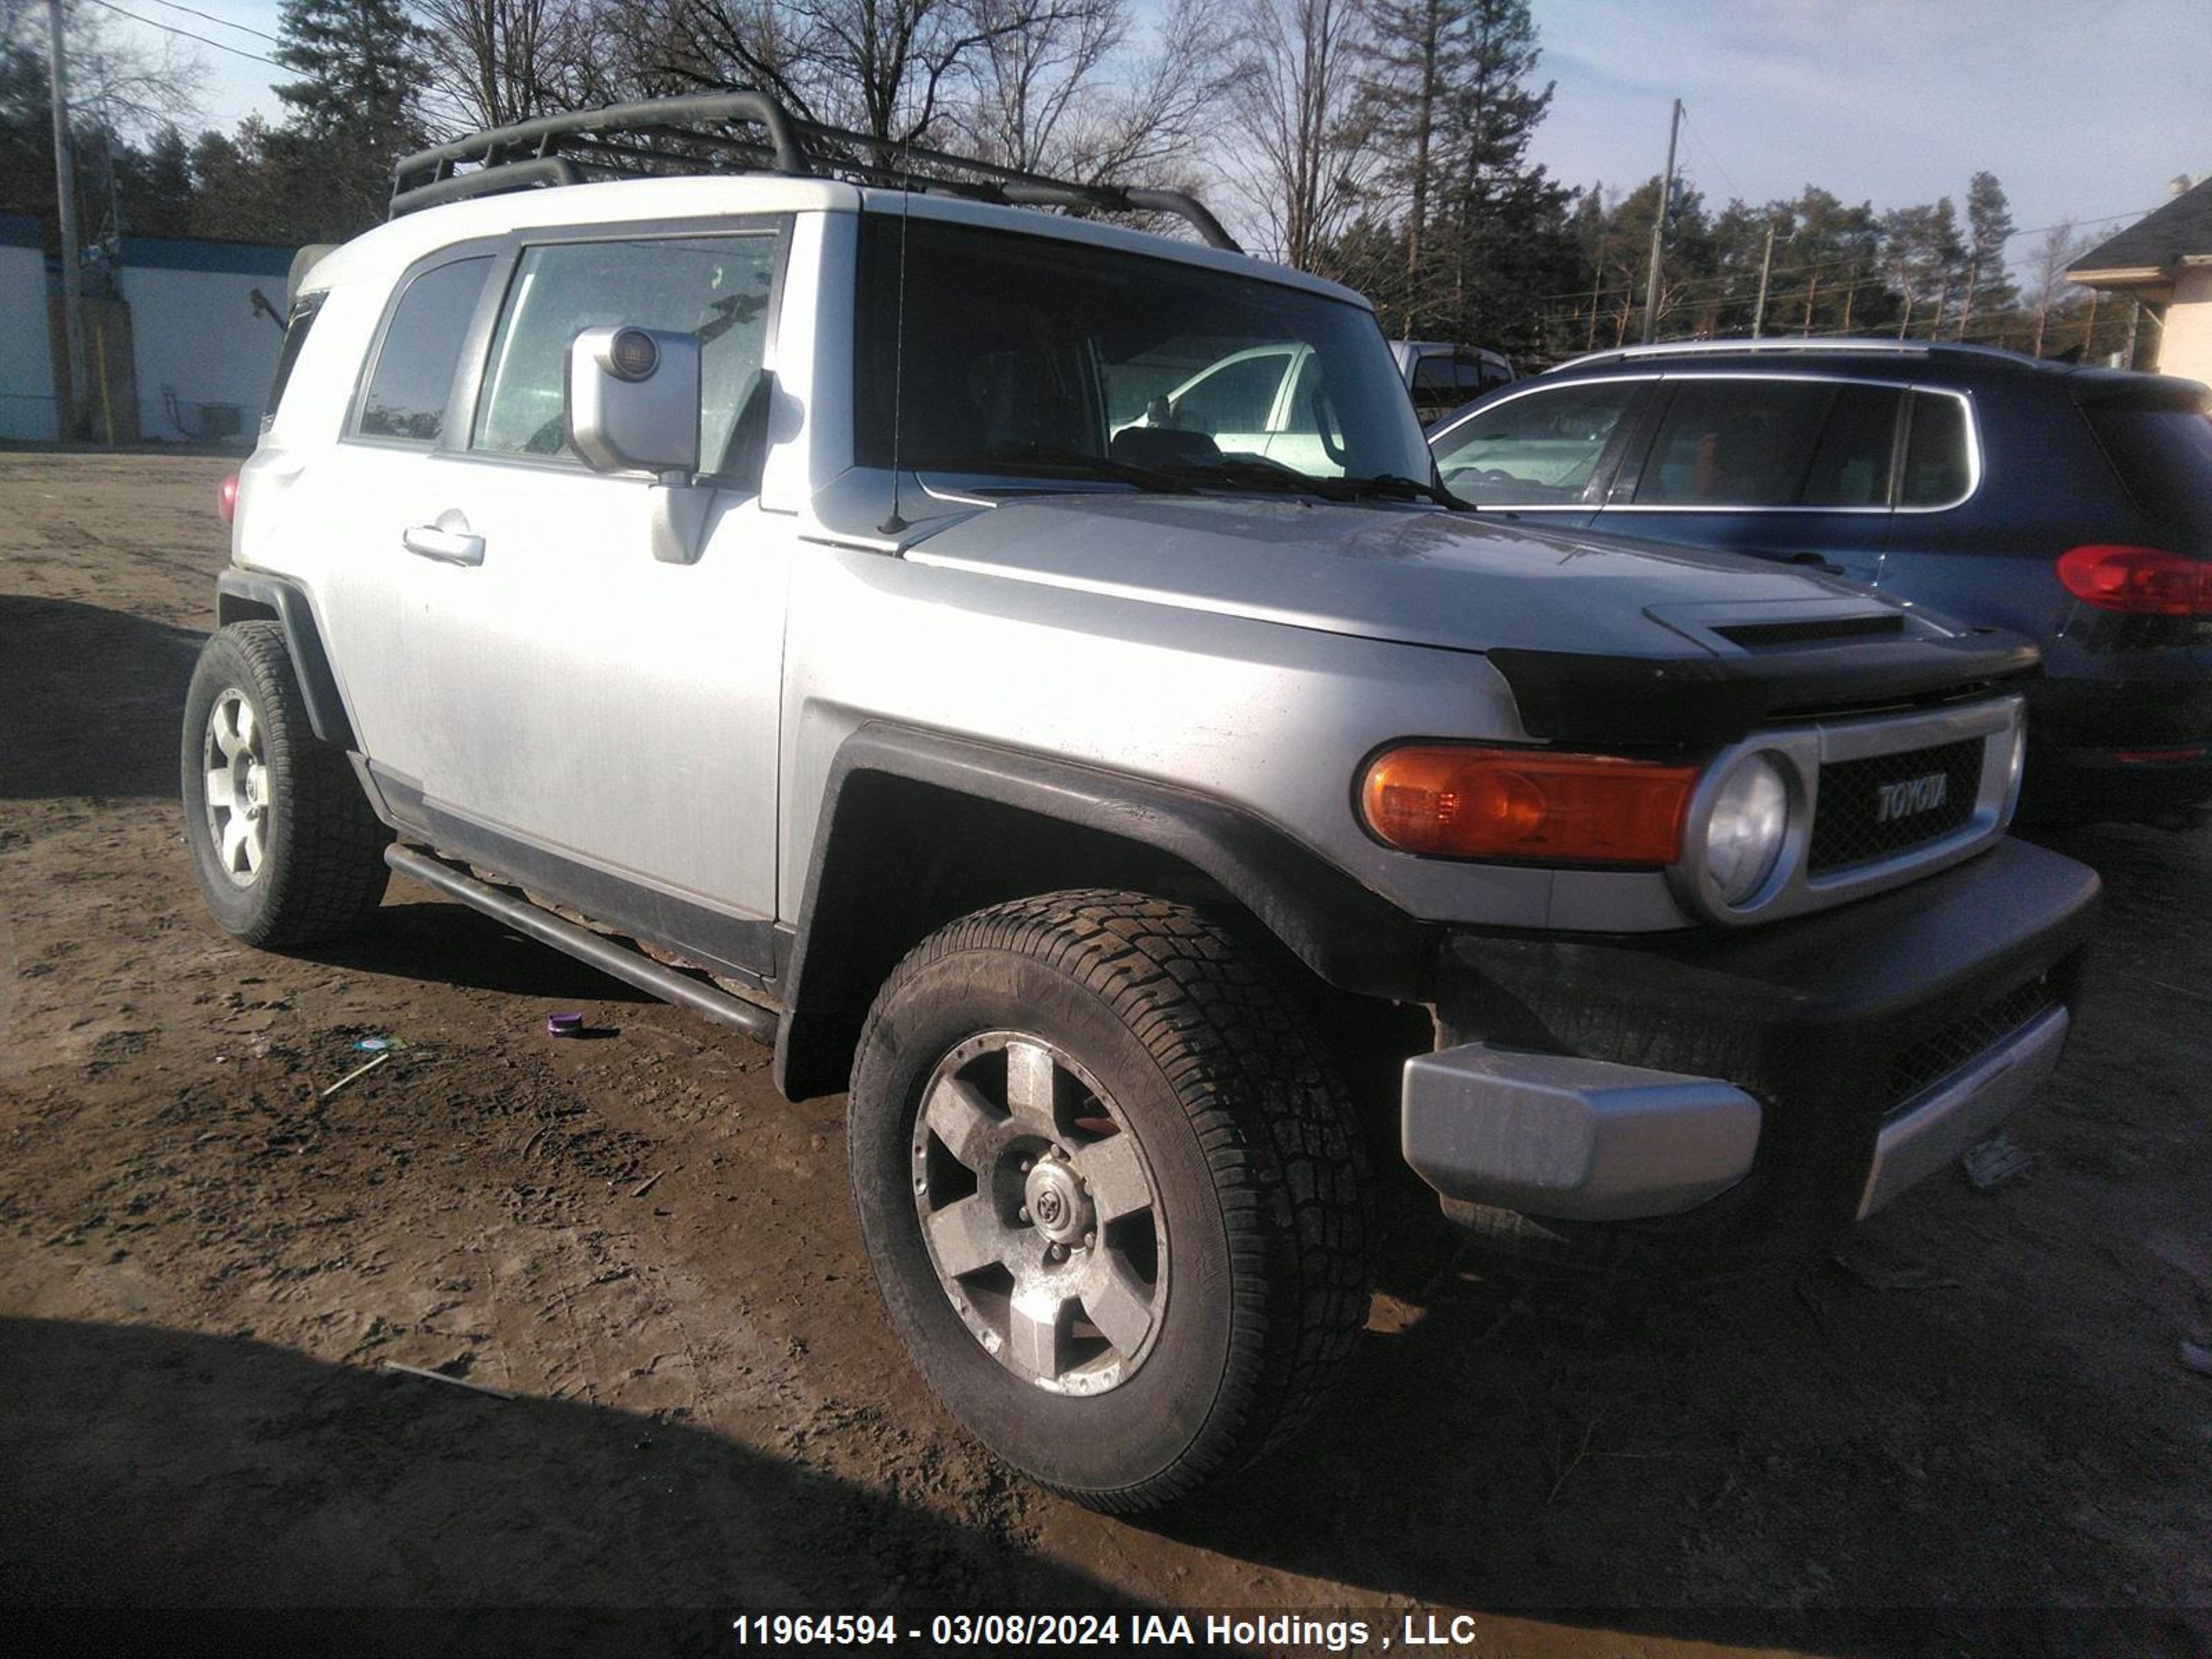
column 716, row 288
column 287, row 356
column 1851, row 466
column 1938, row 464
column 1540, row 449
column 1438, row 387
column 1734, row 443
column 1236, row 398
column 406, row 394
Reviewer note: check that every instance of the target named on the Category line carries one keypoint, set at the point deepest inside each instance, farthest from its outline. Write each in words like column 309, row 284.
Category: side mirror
column 634, row 399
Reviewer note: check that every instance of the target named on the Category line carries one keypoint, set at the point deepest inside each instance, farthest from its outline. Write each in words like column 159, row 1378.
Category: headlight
column 1744, row 834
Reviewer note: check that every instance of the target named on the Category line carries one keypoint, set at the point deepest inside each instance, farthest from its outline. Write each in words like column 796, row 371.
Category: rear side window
column 1939, row 465
column 713, row 287
column 1442, row 380
column 287, row 356
column 1726, row 442
column 1235, row 399
column 406, row 394
column 2163, row 453
column 1540, row 449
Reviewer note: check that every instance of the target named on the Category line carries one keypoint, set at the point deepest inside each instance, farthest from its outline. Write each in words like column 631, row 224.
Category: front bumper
column 1747, row 1095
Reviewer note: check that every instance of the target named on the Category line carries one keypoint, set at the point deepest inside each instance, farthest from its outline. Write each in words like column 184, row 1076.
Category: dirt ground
column 204, row 1269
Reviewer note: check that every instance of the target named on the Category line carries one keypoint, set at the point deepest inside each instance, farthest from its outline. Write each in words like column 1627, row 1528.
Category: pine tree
column 156, row 185
column 1414, row 54
column 1989, row 290
column 1475, row 235
column 355, row 109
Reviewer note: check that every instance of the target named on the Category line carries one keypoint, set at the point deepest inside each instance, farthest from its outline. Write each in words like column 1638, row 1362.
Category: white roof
column 385, row 251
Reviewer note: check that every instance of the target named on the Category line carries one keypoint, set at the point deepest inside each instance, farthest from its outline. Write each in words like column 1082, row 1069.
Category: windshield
column 1027, row 354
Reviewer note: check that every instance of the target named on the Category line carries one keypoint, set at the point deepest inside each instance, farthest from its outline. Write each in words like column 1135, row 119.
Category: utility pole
column 65, row 196
column 1765, row 265
column 1659, row 229
column 1597, row 291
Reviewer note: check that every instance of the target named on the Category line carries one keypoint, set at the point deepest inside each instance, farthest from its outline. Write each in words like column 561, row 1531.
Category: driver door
column 607, row 723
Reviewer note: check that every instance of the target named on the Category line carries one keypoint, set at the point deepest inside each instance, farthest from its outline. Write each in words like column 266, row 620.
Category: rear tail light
column 226, row 498
column 2144, row 581
column 1459, row 801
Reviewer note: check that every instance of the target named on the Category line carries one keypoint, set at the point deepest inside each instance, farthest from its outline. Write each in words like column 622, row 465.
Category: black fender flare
column 243, row 594
column 1347, row 934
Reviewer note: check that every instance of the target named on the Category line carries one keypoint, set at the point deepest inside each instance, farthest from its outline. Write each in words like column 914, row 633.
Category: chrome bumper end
column 1926, row 1131
column 1553, row 1136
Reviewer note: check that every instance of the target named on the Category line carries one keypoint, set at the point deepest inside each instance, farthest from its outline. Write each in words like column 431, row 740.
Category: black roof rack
column 665, row 137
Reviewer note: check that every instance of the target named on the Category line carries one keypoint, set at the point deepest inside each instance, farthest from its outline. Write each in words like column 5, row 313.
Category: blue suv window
column 1939, row 467
column 2163, row 450
column 1738, row 442
column 1540, row 449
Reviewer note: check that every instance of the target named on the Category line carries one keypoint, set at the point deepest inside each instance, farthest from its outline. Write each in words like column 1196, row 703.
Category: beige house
column 2164, row 260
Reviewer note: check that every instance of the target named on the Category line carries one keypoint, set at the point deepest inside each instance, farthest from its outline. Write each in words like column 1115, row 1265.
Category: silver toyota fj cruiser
column 1024, row 668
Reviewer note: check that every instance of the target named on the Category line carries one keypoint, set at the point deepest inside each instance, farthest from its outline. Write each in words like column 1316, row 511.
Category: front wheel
column 1114, row 1193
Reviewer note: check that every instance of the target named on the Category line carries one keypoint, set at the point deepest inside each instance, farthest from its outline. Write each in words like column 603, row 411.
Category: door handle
column 446, row 546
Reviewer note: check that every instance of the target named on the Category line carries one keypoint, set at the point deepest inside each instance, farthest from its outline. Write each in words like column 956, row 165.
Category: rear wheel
column 1114, row 1194
column 286, row 849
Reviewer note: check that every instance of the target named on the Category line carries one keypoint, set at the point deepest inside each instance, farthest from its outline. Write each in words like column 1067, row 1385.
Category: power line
column 243, row 28
column 171, row 28
column 1698, row 137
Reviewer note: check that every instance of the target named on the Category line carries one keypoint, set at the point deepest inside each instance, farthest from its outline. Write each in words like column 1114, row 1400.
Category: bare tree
column 2048, row 289
column 133, row 87
column 894, row 70
column 1305, row 161
column 494, row 62
column 1028, row 84
column 1159, row 111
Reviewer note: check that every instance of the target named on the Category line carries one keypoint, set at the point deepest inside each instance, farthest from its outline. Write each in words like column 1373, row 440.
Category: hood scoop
column 1812, row 630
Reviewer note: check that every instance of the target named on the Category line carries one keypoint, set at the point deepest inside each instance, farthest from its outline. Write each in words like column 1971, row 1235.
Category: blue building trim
column 196, row 253
column 20, row 230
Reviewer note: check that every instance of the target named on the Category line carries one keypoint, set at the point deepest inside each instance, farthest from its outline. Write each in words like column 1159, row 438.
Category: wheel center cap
column 1058, row 1206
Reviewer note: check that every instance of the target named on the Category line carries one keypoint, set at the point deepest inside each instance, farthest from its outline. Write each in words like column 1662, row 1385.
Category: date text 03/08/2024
column 1107, row 1630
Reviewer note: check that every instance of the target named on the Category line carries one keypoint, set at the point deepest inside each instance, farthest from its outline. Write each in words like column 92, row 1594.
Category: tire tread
column 1276, row 1126
column 326, row 873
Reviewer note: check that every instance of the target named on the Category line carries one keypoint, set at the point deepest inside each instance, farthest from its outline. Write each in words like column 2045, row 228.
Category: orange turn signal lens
column 1458, row 801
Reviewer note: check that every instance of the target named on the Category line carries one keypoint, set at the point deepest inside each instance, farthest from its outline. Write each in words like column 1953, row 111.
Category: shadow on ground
column 121, row 677
column 158, row 1469
column 440, row 943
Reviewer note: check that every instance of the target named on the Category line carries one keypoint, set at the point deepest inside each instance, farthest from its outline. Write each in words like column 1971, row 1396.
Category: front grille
column 1936, row 1058
column 1887, row 803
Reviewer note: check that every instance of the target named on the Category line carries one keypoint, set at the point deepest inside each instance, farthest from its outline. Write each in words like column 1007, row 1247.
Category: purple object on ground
column 563, row 1024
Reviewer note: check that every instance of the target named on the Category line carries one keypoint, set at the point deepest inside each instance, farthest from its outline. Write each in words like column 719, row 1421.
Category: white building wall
column 196, row 332
column 2185, row 349
column 28, row 409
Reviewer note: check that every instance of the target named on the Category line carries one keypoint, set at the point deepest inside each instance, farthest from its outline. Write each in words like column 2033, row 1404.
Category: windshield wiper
column 1260, row 471
column 1093, row 466
column 1400, row 488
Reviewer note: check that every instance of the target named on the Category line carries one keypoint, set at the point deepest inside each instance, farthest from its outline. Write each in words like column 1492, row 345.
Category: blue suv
column 2071, row 505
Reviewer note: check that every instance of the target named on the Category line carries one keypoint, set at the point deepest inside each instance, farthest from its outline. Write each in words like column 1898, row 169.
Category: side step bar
column 670, row 984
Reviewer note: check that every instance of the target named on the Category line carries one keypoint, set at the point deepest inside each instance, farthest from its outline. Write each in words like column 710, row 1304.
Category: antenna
column 895, row 525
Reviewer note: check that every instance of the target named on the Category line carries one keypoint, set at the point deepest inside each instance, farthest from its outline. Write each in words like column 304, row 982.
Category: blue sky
column 2084, row 110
